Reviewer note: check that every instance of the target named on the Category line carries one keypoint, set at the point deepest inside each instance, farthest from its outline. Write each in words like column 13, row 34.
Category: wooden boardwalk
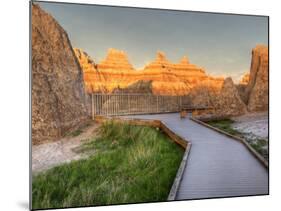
column 217, row 166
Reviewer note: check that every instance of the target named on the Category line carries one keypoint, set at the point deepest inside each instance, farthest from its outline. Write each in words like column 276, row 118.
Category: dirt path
column 48, row 155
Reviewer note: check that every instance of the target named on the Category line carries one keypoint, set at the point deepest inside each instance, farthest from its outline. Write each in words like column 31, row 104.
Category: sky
column 219, row 43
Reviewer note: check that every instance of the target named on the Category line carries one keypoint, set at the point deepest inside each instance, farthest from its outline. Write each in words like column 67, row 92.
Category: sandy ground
column 253, row 125
column 48, row 155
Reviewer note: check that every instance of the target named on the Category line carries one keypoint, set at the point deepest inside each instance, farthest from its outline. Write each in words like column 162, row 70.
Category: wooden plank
column 176, row 138
column 176, row 184
column 217, row 166
column 144, row 122
column 243, row 141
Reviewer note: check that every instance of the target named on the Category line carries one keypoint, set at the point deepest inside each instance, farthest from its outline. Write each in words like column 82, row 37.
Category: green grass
column 260, row 146
column 225, row 125
column 128, row 164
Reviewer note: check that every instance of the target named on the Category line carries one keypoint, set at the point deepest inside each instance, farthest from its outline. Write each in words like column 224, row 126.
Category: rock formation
column 139, row 87
column 115, row 71
column 241, row 87
column 164, row 79
column 115, row 61
column 121, row 101
column 228, row 102
column 194, row 75
column 59, row 103
column 257, row 89
column 94, row 80
column 116, row 74
column 203, row 96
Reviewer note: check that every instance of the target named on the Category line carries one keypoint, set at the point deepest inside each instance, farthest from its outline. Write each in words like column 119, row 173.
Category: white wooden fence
column 125, row 104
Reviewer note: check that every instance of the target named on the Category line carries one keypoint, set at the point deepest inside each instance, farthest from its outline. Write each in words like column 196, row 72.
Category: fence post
column 102, row 107
column 92, row 106
column 180, row 103
column 129, row 103
column 157, row 104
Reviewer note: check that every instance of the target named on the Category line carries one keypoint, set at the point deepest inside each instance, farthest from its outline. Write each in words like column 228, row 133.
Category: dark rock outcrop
column 140, row 87
column 203, row 96
column 242, row 92
column 228, row 102
column 242, row 86
column 59, row 102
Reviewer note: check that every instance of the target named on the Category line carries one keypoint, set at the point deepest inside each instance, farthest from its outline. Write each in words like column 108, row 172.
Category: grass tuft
column 76, row 133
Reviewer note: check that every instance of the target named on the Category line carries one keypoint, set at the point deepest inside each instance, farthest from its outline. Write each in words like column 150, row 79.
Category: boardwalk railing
column 125, row 104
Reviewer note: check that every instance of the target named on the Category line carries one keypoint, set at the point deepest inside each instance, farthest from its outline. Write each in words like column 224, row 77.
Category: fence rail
column 125, row 104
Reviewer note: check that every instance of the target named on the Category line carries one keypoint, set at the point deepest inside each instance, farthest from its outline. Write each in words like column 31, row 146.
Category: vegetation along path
column 217, row 166
column 123, row 166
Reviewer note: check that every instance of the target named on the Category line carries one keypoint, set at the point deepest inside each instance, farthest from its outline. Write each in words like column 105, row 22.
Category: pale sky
column 219, row 43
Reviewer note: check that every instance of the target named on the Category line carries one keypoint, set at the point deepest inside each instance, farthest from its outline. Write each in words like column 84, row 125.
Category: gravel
column 253, row 125
column 48, row 155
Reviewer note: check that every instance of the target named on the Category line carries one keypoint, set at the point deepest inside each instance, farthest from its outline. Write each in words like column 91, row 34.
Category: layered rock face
column 59, row 103
column 164, row 79
column 94, row 80
column 116, row 74
column 117, row 70
column 167, row 78
column 228, row 102
column 257, row 89
column 116, row 62
column 194, row 76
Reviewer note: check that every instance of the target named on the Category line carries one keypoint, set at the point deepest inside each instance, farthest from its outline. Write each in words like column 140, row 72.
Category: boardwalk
column 217, row 166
